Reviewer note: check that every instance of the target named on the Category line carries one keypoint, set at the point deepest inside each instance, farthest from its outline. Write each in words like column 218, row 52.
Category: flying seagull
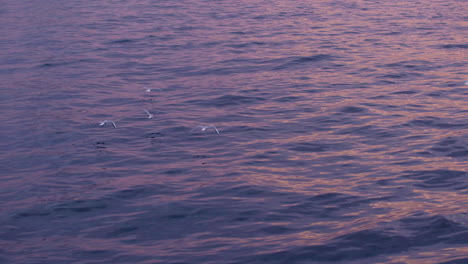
column 148, row 90
column 101, row 123
column 204, row 128
column 150, row 115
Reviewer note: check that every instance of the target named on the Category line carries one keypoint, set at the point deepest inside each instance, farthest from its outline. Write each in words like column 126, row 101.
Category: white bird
column 101, row 123
column 148, row 90
column 150, row 115
column 204, row 128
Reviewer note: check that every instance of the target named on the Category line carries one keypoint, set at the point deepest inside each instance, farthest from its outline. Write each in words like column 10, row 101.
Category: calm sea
column 281, row 132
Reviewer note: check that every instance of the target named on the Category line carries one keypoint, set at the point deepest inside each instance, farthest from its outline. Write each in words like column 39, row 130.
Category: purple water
column 342, row 132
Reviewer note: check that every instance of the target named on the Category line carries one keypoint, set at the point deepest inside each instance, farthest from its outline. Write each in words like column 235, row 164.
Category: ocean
column 233, row 132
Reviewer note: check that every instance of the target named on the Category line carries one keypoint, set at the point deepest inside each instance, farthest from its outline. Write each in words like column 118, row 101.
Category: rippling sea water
column 342, row 132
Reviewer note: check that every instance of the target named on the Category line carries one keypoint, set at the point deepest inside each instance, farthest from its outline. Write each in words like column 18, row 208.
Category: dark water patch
column 287, row 99
column 318, row 57
column 308, row 147
column 276, row 230
column 122, row 231
column 450, row 147
column 430, row 230
column 455, row 46
column 455, row 85
column 379, row 97
column 176, row 171
column 458, row 154
column 32, row 213
column 434, row 179
column 384, row 82
column 121, row 41
column 456, row 261
column 352, row 109
column 241, row 32
column 406, row 92
column 312, row 91
column 56, row 64
column 392, row 33
column 435, row 122
column 123, row 55
column 435, row 94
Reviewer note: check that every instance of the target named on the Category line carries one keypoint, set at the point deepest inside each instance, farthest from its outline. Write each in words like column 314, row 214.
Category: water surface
column 342, row 132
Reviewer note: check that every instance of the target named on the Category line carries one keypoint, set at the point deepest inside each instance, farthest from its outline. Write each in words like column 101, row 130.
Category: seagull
column 148, row 90
column 150, row 115
column 101, row 123
column 204, row 128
